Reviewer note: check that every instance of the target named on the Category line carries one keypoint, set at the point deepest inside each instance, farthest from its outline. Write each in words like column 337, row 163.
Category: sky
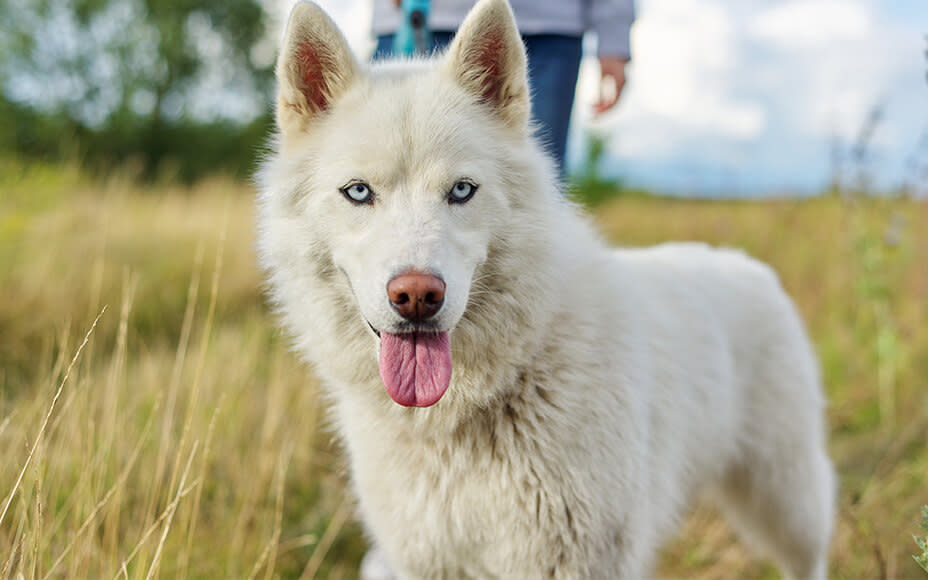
column 731, row 97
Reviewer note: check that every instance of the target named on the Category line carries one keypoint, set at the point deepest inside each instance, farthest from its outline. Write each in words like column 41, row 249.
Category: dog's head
column 402, row 178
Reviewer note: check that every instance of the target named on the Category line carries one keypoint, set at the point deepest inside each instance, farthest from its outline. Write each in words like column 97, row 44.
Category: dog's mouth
column 415, row 366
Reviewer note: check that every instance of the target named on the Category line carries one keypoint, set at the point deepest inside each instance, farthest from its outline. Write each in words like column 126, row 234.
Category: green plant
column 590, row 187
column 922, row 542
column 878, row 252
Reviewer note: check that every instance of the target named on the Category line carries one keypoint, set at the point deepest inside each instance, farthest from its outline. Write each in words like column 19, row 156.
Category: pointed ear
column 488, row 59
column 314, row 67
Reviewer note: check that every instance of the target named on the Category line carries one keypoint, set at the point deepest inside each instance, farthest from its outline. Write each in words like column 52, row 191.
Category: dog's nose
column 416, row 296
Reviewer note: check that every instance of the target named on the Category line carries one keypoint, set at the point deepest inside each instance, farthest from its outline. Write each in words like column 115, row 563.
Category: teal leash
column 413, row 36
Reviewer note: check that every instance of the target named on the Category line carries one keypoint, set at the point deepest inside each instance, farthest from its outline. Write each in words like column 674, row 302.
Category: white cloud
column 763, row 88
column 813, row 24
column 686, row 60
column 829, row 63
column 352, row 16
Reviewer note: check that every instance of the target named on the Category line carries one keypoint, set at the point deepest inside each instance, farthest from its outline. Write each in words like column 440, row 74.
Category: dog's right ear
column 488, row 59
column 314, row 67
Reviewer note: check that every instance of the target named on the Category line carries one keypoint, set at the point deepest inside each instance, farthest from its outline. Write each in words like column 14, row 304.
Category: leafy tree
column 115, row 79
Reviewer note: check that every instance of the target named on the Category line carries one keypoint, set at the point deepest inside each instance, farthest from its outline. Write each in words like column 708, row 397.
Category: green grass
column 187, row 441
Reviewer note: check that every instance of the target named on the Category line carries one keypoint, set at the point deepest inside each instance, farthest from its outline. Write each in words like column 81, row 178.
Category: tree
column 129, row 76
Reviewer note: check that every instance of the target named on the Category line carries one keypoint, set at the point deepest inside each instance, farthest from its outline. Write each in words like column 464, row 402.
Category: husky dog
column 517, row 400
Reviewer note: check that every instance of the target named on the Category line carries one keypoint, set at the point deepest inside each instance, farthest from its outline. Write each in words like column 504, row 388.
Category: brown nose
column 416, row 296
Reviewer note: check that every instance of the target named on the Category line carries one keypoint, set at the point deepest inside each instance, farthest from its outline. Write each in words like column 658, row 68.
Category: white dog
column 517, row 400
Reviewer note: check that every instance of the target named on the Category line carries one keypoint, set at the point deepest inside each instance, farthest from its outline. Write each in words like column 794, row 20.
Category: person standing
column 553, row 34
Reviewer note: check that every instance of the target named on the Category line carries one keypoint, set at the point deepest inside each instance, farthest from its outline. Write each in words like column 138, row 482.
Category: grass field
column 183, row 440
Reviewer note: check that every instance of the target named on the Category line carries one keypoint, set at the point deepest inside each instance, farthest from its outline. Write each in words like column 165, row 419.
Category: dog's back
column 736, row 378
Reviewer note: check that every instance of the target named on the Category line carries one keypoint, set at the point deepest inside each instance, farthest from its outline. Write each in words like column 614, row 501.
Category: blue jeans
column 553, row 64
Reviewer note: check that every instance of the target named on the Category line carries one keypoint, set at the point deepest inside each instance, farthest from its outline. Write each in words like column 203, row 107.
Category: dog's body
column 593, row 391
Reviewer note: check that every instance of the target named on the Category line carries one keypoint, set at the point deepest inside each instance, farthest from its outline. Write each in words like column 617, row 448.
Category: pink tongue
column 415, row 367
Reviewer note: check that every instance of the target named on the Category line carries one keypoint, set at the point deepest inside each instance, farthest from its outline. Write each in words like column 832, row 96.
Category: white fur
column 594, row 392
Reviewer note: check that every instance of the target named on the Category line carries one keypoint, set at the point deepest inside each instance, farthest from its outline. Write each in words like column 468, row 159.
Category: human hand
column 611, row 83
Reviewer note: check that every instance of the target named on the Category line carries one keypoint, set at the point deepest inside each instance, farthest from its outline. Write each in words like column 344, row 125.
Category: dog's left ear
column 314, row 67
column 487, row 57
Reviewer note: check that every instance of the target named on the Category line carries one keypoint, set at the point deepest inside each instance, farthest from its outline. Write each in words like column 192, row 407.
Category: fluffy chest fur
column 507, row 472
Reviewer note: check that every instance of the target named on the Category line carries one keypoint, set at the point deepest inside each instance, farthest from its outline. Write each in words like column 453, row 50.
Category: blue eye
column 358, row 192
column 462, row 191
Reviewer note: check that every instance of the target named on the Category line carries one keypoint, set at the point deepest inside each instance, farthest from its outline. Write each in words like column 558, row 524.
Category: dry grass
column 187, row 441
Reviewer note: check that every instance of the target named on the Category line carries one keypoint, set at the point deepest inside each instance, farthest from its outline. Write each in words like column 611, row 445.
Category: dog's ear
column 314, row 67
column 487, row 57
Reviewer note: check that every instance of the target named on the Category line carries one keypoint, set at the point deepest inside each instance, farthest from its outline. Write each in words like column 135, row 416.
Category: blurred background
column 153, row 421
column 725, row 97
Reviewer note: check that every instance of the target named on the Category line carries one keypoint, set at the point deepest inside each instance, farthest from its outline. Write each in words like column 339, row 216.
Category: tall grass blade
column 51, row 408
